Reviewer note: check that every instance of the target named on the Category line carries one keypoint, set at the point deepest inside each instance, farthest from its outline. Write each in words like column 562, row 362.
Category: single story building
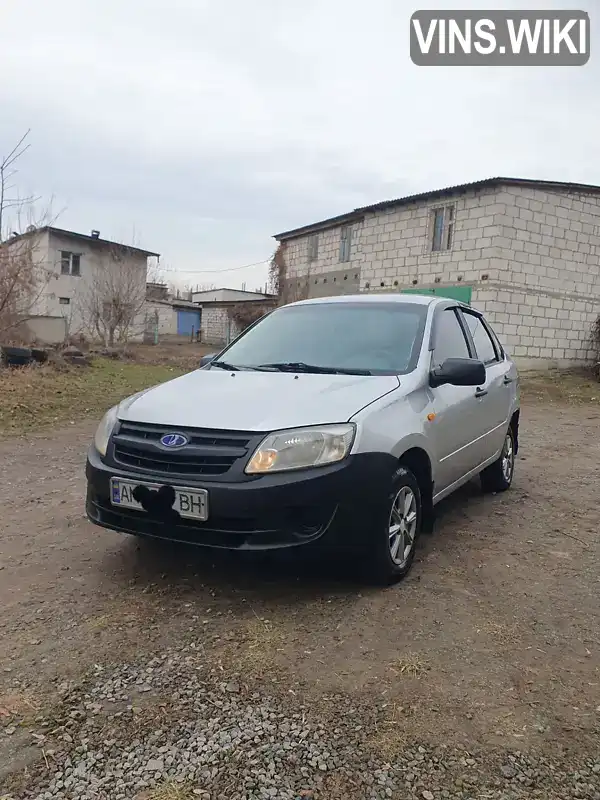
column 171, row 317
column 525, row 252
column 225, row 312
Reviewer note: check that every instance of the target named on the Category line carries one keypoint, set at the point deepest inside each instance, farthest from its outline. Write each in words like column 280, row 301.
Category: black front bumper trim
column 331, row 506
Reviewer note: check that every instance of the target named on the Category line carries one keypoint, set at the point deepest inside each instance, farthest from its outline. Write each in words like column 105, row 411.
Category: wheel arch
column 514, row 425
column 418, row 461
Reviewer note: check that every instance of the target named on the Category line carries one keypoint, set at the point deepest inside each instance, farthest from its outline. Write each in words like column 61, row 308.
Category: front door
column 496, row 395
column 454, row 430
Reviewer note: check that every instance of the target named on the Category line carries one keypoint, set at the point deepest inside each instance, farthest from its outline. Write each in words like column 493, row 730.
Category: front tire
column 392, row 544
column 498, row 476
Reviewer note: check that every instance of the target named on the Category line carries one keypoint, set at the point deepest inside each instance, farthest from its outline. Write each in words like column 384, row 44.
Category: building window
column 345, row 242
column 70, row 263
column 64, row 301
column 313, row 247
column 442, row 228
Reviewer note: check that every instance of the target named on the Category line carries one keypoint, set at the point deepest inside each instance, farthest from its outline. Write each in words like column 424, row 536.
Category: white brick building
column 525, row 252
column 72, row 268
column 218, row 326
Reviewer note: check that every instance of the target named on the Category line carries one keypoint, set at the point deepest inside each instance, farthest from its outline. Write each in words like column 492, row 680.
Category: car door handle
column 481, row 392
column 507, row 380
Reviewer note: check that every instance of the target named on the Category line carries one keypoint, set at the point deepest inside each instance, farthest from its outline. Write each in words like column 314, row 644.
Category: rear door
column 454, row 430
column 494, row 398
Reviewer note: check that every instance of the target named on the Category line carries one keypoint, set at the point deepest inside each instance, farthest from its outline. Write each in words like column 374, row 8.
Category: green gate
column 460, row 293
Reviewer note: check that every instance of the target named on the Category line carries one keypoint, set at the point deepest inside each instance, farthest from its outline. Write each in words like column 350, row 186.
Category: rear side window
column 485, row 349
column 496, row 341
column 450, row 341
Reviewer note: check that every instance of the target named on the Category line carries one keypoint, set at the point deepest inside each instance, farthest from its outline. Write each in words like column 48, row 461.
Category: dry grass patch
column 184, row 355
column 561, row 386
column 173, row 791
column 17, row 704
column 411, row 666
column 502, row 634
column 255, row 652
column 336, row 786
column 389, row 738
column 39, row 397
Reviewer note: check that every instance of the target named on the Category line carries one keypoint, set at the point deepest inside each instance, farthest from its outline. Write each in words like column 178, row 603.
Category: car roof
column 392, row 297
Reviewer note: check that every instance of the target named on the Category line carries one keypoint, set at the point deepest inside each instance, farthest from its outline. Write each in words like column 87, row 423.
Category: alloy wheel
column 402, row 525
column 508, row 458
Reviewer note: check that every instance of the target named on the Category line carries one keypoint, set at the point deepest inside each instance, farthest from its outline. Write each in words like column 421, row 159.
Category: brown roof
column 83, row 237
column 358, row 213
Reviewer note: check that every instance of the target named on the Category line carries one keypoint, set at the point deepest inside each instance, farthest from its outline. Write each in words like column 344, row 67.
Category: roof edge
column 358, row 213
column 82, row 237
column 228, row 289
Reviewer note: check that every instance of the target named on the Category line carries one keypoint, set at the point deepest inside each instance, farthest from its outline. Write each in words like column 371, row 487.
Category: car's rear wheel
column 498, row 476
column 393, row 539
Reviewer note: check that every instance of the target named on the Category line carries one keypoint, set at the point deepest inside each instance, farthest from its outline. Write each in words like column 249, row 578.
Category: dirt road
column 492, row 642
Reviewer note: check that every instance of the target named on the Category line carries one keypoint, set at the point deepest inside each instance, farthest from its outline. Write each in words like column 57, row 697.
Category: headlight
column 301, row 448
column 104, row 430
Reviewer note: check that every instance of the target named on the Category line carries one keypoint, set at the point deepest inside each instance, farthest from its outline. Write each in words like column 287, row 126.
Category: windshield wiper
column 224, row 365
column 300, row 366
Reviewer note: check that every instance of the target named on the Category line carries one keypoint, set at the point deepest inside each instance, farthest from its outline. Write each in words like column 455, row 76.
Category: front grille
column 208, row 452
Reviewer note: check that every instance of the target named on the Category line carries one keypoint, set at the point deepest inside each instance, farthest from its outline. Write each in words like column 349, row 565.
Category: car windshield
column 360, row 337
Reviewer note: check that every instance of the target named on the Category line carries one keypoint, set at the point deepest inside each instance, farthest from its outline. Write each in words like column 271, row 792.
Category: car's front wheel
column 499, row 475
column 393, row 539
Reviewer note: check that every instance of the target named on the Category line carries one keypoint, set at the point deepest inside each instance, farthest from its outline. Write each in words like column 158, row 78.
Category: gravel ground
column 168, row 728
column 154, row 673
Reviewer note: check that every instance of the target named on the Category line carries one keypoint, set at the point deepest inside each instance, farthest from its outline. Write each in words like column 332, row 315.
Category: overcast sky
column 206, row 127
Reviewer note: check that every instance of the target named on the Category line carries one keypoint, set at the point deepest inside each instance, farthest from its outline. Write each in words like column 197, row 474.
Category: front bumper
column 332, row 506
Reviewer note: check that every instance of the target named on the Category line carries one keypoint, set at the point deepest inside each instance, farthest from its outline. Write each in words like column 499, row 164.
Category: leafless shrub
column 23, row 272
column 246, row 314
column 596, row 340
column 279, row 282
column 277, row 270
column 112, row 302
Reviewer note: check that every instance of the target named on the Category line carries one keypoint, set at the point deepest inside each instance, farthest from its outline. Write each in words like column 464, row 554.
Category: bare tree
column 23, row 271
column 113, row 300
column 287, row 289
column 596, row 343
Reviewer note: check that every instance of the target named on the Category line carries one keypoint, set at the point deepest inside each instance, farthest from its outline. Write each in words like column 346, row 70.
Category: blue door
column 188, row 322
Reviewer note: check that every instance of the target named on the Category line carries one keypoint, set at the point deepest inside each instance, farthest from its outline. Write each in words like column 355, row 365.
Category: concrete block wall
column 326, row 275
column 164, row 314
column 397, row 244
column 538, row 327
column 546, row 297
column 391, row 249
column 531, row 256
column 213, row 325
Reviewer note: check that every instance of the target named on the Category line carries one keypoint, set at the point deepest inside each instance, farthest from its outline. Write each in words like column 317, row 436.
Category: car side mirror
column 207, row 359
column 458, row 372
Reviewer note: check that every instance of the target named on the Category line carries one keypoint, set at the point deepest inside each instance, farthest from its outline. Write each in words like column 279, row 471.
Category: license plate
column 190, row 503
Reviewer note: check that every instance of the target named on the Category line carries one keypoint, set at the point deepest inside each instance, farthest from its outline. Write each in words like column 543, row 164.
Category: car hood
column 256, row 401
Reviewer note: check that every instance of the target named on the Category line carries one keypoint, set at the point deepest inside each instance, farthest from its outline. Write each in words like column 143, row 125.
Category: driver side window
column 450, row 341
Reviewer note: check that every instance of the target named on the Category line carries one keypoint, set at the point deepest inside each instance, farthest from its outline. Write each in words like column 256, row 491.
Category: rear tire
column 392, row 542
column 499, row 475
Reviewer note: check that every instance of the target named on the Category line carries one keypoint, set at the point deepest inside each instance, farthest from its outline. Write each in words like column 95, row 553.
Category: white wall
column 216, row 327
column 92, row 257
column 531, row 256
column 46, row 330
column 167, row 317
column 548, row 295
